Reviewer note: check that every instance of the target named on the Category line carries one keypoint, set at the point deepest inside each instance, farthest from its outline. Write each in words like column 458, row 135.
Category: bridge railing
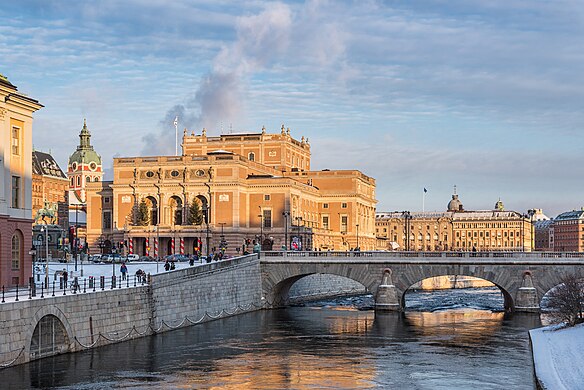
column 412, row 254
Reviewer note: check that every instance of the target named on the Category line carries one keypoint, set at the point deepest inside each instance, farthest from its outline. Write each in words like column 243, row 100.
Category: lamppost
column 46, row 230
column 407, row 215
column 206, row 213
column 222, row 243
column 261, row 215
column 531, row 213
column 286, row 214
column 357, row 248
column 298, row 220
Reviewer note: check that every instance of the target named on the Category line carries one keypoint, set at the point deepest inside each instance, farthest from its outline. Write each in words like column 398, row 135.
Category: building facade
column 454, row 230
column 49, row 191
column 16, row 120
column 251, row 188
column 84, row 167
column 566, row 233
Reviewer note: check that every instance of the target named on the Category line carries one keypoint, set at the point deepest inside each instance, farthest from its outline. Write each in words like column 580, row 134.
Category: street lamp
column 286, row 214
column 357, row 248
column 531, row 213
column 223, row 243
column 46, row 230
column 206, row 213
column 261, row 215
column 408, row 217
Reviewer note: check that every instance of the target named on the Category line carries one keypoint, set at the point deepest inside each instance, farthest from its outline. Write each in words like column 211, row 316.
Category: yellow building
column 455, row 229
column 253, row 187
column 16, row 119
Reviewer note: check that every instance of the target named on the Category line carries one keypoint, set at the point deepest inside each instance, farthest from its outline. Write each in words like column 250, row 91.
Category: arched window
column 78, row 181
column 96, row 179
column 251, row 156
column 16, row 251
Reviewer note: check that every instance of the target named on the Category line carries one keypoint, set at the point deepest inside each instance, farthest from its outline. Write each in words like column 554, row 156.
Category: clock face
column 93, row 166
column 200, row 172
column 74, row 166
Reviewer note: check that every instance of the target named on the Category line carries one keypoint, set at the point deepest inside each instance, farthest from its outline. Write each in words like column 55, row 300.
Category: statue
column 47, row 212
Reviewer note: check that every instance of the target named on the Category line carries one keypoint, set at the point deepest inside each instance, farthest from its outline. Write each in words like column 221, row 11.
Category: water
column 444, row 341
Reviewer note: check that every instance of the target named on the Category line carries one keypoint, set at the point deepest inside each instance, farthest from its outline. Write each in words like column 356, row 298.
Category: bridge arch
column 508, row 300
column 49, row 334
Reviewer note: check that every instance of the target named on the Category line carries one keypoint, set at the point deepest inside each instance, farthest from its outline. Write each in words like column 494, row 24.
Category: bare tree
column 566, row 300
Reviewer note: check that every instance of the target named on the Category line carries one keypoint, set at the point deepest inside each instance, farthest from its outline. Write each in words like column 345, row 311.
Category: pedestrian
column 172, row 266
column 167, row 266
column 123, row 271
column 65, row 277
column 192, row 260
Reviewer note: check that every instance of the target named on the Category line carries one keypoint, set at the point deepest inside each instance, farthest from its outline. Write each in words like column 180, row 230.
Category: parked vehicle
column 146, row 258
column 132, row 257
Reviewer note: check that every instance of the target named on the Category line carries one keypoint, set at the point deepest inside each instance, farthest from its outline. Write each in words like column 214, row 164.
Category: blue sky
column 486, row 96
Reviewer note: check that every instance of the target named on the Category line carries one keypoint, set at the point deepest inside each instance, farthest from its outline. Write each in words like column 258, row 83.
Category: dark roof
column 570, row 215
column 45, row 164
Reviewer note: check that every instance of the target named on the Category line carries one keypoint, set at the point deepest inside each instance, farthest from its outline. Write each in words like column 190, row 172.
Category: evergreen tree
column 143, row 216
column 195, row 213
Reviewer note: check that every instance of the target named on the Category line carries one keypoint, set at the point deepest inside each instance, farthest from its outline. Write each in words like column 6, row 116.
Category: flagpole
column 176, row 136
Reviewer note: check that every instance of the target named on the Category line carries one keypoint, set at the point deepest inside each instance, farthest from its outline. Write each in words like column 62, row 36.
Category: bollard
column 2, row 293
column 84, row 286
column 53, row 288
column 29, row 291
column 102, row 282
column 17, row 293
column 43, row 290
column 127, row 281
column 120, row 284
column 134, row 280
column 61, row 281
column 113, row 282
column 91, row 283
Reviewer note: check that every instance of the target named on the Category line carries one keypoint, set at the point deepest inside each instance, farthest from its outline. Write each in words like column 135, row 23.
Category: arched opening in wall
column 176, row 210
column 107, row 246
column 316, row 287
column 49, row 338
column 455, row 292
column 205, row 209
column 152, row 204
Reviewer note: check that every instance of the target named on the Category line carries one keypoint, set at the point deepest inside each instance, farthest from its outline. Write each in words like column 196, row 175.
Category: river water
column 453, row 339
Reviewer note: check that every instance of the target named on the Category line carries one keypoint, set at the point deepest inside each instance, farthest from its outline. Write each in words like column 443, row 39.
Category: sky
column 484, row 95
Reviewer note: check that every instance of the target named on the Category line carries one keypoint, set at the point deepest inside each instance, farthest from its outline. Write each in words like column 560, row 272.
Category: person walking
column 167, row 266
column 123, row 271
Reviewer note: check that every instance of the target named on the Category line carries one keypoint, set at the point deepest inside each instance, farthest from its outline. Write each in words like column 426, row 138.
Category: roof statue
column 283, row 131
column 499, row 205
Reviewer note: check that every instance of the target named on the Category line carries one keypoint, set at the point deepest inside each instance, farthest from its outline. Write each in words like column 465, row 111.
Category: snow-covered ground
column 559, row 357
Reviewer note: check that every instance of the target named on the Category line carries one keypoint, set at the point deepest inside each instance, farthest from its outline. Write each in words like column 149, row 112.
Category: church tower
column 84, row 167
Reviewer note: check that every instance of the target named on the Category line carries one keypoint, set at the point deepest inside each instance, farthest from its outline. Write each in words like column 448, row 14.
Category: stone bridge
column 523, row 278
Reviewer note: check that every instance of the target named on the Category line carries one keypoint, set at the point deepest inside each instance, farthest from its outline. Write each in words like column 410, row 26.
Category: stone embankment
column 36, row 328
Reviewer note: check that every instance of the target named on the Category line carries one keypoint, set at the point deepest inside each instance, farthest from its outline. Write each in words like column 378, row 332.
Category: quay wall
column 171, row 300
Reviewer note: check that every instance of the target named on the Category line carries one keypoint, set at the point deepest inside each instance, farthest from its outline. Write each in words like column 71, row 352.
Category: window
column 78, row 181
column 106, row 199
column 325, row 222
column 15, row 140
column 343, row 205
column 16, row 251
column 107, row 220
column 251, row 156
column 174, row 173
column 325, row 205
column 344, row 223
column 267, row 218
column 15, row 192
column 266, row 197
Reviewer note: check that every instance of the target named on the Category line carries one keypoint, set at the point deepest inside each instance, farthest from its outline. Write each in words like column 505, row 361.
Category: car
column 146, row 258
column 132, row 257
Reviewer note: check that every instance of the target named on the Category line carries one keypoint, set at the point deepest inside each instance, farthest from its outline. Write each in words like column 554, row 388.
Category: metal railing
column 433, row 254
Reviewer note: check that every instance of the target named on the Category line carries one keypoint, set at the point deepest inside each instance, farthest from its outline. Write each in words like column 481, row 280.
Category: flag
column 176, row 121
column 425, row 190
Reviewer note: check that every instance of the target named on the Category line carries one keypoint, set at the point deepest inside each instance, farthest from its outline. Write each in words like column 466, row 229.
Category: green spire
column 84, row 137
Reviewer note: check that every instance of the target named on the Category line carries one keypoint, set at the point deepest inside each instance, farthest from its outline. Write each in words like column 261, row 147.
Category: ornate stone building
column 455, row 229
column 49, row 191
column 253, row 187
column 84, row 167
column 16, row 119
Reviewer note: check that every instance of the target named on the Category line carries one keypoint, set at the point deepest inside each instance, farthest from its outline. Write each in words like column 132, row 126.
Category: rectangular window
column 107, row 220
column 15, row 192
column 325, row 205
column 344, row 223
column 267, row 218
column 15, row 140
column 106, row 199
column 266, row 197
column 343, row 205
column 15, row 252
column 325, row 222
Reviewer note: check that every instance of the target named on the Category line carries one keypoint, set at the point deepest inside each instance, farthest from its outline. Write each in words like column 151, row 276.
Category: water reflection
column 325, row 346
